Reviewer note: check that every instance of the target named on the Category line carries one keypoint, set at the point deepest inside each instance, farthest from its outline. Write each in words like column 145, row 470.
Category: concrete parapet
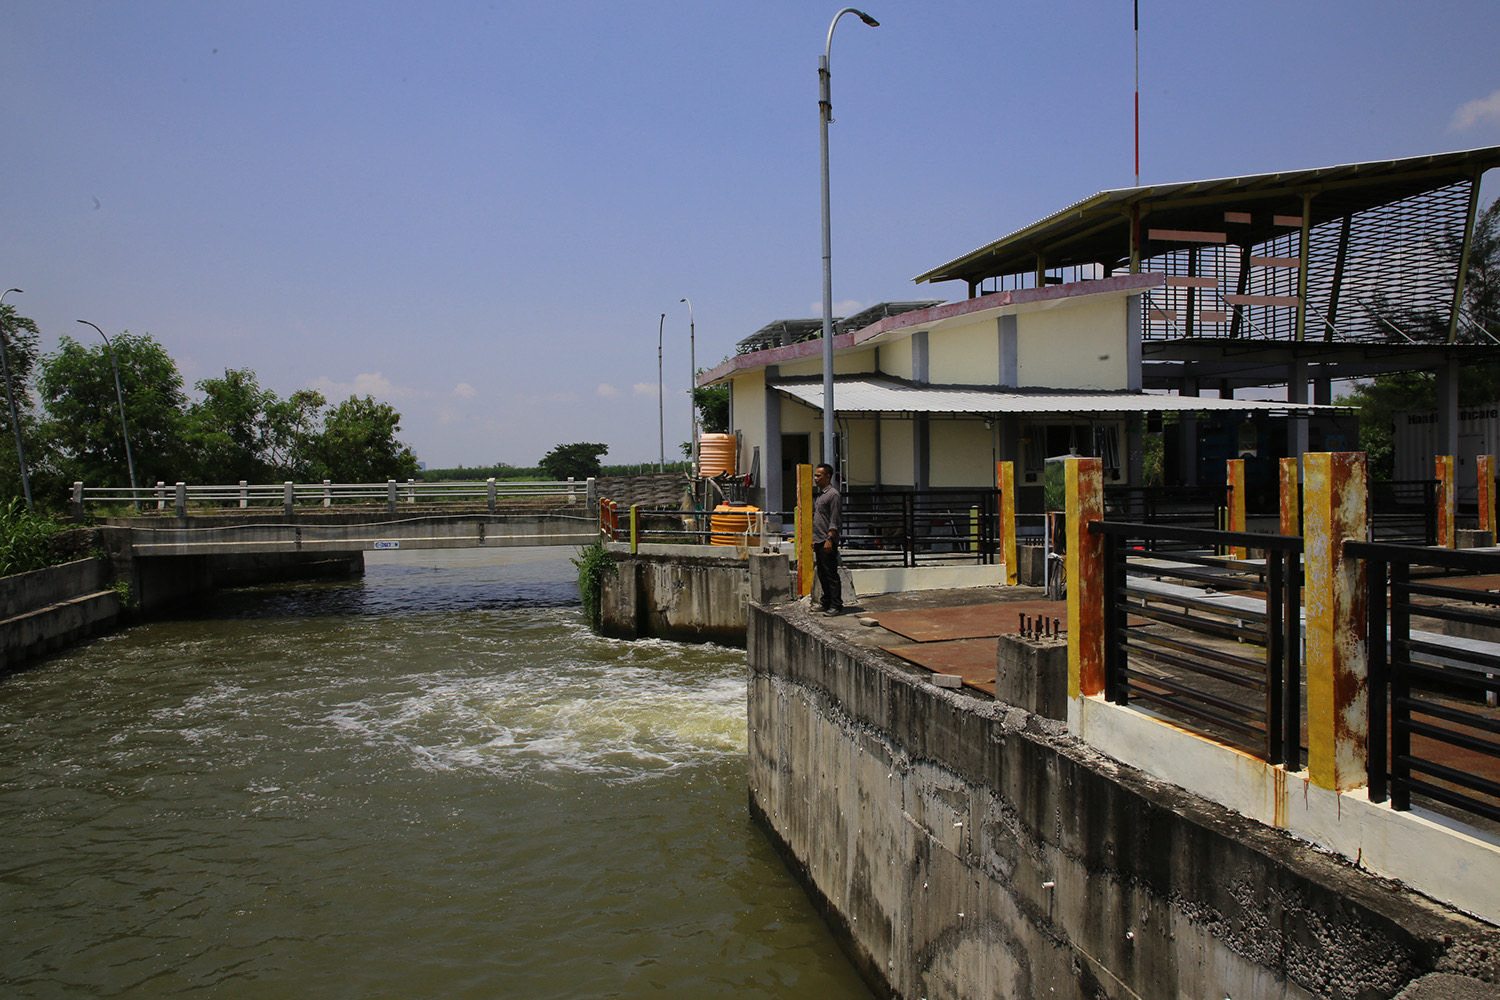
column 694, row 596
column 48, row 609
column 1032, row 673
column 964, row 848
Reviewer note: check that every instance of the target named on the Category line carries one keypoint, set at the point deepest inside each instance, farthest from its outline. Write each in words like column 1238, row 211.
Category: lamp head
column 867, row 19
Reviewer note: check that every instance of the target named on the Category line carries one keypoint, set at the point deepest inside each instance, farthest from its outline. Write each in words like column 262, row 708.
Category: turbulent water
column 434, row 782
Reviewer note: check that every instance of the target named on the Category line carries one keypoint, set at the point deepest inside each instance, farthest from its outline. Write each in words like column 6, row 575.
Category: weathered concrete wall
column 47, row 609
column 965, row 848
column 688, row 593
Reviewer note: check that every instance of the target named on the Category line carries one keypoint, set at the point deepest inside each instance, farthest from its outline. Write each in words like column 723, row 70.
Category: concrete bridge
column 328, row 518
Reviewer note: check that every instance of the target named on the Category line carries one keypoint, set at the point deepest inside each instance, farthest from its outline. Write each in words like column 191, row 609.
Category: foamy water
column 435, row 782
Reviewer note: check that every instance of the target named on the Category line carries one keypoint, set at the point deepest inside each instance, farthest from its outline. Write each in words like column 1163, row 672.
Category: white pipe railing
column 288, row 495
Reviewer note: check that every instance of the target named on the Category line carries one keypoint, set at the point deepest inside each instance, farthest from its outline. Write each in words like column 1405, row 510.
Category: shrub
column 24, row 538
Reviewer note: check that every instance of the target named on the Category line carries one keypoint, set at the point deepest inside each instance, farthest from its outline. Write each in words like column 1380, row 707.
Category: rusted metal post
column 1291, row 509
column 1005, row 478
column 1447, row 501
column 1485, row 470
column 803, row 537
column 1235, row 473
column 1336, row 604
column 1086, row 576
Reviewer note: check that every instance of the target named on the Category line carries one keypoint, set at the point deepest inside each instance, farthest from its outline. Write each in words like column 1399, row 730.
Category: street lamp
column 661, row 426
column 825, row 115
column 119, row 395
column 15, row 420
column 692, row 384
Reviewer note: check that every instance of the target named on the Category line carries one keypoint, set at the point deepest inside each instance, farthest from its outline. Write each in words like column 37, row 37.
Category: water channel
column 431, row 782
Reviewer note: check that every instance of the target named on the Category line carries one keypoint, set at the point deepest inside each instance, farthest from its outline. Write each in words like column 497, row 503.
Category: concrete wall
column 692, row 593
column 965, row 848
column 47, row 609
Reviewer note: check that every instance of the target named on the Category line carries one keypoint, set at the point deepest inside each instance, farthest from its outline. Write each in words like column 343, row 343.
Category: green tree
column 358, row 444
column 292, row 434
column 78, row 390
column 227, row 435
column 713, row 408
column 580, row 460
column 21, row 355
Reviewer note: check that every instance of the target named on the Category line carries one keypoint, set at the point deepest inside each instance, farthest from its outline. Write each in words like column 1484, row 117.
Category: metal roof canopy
column 1096, row 230
column 871, row 395
column 1245, row 363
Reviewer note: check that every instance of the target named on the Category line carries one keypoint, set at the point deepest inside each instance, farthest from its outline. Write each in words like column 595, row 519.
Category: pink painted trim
column 933, row 314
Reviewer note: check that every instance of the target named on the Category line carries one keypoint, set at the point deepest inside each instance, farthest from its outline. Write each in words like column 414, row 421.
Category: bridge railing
column 177, row 498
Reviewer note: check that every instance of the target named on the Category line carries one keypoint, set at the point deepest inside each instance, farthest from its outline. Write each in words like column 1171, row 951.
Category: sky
column 479, row 212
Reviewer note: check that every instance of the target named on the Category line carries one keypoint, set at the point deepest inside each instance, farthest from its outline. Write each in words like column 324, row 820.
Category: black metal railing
column 1434, row 730
column 909, row 528
column 1404, row 511
column 1179, row 506
column 1221, row 651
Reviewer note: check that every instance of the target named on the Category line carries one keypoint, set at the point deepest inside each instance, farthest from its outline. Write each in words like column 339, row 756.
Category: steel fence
column 1220, row 649
column 1434, row 730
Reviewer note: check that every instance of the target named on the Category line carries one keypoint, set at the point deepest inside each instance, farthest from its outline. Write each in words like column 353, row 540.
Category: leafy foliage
column 23, row 538
column 580, row 460
column 593, row 562
column 358, row 443
column 78, row 389
column 20, row 341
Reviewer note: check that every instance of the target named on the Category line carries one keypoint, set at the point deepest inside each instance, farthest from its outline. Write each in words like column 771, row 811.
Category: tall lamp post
column 119, row 395
column 661, row 426
column 692, row 384
column 15, row 420
column 825, row 115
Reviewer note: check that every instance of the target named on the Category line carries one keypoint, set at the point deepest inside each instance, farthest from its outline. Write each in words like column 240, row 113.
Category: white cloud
column 1481, row 110
column 644, row 389
column 606, row 390
column 464, row 391
column 364, row 384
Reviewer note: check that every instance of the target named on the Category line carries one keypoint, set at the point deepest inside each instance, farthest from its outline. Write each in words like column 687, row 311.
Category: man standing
column 826, row 524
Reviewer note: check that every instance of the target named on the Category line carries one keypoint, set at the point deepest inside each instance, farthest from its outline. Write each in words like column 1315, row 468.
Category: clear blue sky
column 479, row 211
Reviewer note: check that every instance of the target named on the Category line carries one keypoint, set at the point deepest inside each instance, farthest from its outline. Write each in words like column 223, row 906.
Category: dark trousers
column 827, row 565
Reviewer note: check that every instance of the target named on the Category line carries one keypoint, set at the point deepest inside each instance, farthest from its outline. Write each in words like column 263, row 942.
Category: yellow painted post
column 973, row 530
column 1447, row 501
column 803, row 535
column 1336, row 603
column 635, row 523
column 1005, row 476
column 1236, row 478
column 1291, row 512
column 1485, row 469
column 1085, row 561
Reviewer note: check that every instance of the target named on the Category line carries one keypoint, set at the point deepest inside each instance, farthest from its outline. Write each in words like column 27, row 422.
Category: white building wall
column 896, row 438
column 966, row 355
column 747, row 411
column 1083, row 346
column 963, row 454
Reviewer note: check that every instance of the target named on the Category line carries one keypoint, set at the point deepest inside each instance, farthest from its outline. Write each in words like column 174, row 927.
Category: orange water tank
column 716, row 454
column 732, row 524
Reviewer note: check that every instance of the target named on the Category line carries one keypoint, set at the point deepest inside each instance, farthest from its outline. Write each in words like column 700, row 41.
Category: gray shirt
column 826, row 515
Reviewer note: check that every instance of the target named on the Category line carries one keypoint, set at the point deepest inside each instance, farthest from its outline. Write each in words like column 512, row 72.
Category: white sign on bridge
column 387, row 545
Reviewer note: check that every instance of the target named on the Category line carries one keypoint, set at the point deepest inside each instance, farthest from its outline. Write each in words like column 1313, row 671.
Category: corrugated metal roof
column 883, row 396
column 1096, row 229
